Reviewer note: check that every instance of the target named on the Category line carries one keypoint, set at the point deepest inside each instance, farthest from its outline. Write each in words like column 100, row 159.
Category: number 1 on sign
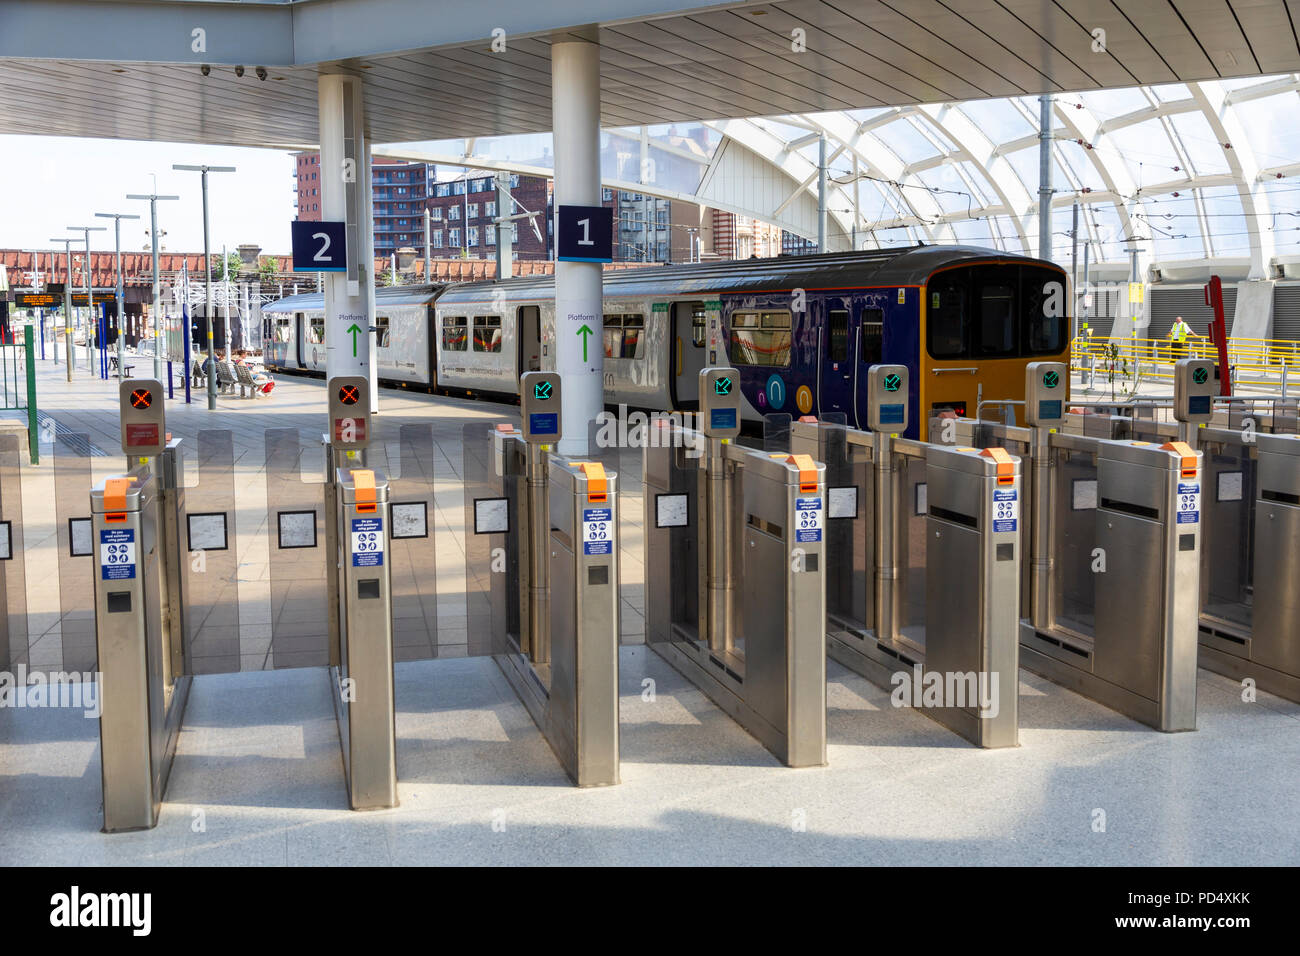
column 586, row 233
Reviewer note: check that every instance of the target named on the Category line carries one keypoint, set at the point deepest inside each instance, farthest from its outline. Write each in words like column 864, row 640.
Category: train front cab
column 980, row 325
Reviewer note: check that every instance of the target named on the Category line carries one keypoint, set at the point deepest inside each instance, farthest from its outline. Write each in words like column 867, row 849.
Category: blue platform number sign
column 319, row 246
column 776, row 392
column 367, row 542
column 1189, row 503
column 117, row 554
column 585, row 234
column 597, row 531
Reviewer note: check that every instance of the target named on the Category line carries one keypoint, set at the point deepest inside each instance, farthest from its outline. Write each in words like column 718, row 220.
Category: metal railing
column 1259, row 363
column 18, row 382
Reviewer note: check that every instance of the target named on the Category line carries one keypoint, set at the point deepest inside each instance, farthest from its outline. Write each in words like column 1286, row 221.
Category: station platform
column 256, row 775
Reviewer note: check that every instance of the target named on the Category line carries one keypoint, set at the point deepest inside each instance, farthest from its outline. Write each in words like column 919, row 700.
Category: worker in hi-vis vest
column 1178, row 335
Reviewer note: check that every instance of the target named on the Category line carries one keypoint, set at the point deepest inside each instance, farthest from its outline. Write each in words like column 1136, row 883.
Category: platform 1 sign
column 319, row 246
column 584, row 234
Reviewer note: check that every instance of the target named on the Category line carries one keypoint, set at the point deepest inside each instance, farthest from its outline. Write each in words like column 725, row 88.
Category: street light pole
column 157, row 292
column 67, row 311
column 117, row 218
column 90, row 295
column 207, row 277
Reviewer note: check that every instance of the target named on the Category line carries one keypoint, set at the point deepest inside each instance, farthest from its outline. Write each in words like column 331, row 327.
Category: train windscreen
column 996, row 311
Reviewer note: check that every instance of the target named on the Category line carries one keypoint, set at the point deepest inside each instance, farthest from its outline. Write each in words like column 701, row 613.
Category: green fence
column 18, row 383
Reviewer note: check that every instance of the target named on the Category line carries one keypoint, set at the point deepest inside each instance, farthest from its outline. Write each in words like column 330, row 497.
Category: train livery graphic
column 802, row 330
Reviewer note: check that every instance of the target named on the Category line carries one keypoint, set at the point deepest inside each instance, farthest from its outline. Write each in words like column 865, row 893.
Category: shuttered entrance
column 1286, row 311
column 1167, row 303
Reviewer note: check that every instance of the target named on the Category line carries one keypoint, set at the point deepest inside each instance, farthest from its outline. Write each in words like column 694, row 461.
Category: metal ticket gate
column 735, row 584
column 139, row 614
column 554, row 596
column 359, row 589
column 899, row 511
column 1252, row 524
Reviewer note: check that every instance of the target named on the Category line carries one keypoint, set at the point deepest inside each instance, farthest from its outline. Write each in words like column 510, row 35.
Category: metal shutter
column 1188, row 301
column 1286, row 311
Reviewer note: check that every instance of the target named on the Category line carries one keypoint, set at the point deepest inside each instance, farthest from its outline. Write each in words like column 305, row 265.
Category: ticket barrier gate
column 555, row 604
column 145, row 675
column 1252, row 524
column 360, row 601
column 957, row 633
column 735, row 580
column 1114, row 527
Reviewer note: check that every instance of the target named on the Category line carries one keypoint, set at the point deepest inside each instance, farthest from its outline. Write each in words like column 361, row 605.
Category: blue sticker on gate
column 597, row 531
column 117, row 554
column 367, row 542
column 1006, row 510
column 807, row 520
column 1189, row 503
column 775, row 391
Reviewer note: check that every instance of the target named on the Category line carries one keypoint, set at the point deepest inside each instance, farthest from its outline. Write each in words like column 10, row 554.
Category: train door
column 688, row 349
column 299, row 337
column 837, row 368
column 951, row 386
column 528, row 327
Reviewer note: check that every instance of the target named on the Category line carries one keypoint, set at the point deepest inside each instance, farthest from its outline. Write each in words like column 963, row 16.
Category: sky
column 48, row 183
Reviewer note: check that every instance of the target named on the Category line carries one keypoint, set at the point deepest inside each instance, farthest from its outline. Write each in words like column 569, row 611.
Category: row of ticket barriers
column 1100, row 551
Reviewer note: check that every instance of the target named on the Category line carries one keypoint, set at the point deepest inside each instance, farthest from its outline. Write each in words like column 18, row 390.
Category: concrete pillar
column 345, row 197
column 575, row 111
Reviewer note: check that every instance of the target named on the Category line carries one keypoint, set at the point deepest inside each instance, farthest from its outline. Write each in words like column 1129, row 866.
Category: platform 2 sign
column 319, row 246
column 584, row 233
column 117, row 554
column 367, row 542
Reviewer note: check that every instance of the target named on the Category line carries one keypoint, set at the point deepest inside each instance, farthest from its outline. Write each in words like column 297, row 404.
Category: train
column 801, row 330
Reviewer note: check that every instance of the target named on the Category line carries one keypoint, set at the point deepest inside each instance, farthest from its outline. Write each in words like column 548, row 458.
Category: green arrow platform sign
column 542, row 391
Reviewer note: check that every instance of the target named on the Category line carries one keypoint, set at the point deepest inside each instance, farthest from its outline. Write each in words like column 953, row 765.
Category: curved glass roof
column 1186, row 172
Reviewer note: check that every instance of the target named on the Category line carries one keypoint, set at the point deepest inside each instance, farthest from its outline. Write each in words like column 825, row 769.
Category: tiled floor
column 258, row 775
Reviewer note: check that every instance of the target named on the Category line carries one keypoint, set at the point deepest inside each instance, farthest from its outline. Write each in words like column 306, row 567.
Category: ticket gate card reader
column 540, row 414
column 1194, row 391
column 144, row 427
column 1045, row 409
column 363, row 679
column 539, row 407
column 887, row 391
column 1045, row 393
column 345, row 444
column 143, row 693
column 720, row 403
column 349, row 410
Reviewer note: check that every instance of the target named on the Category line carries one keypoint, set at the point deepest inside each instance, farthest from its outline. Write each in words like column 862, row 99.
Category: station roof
column 131, row 68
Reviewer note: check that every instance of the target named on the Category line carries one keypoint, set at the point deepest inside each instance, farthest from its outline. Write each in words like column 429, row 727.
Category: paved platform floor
column 258, row 780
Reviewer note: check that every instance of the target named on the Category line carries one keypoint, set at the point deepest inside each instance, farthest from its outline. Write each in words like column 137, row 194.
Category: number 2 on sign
column 324, row 247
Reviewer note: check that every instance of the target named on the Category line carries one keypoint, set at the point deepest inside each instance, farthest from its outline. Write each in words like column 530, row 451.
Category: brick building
column 461, row 213
column 399, row 190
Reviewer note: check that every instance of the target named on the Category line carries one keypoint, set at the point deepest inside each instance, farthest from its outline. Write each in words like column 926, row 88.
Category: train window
column 946, row 319
column 873, row 336
column 382, row 331
column 316, row 334
column 613, row 337
column 1043, row 317
column 622, row 338
column 454, row 338
column 283, row 328
column 699, row 325
column 837, row 331
column 760, row 338
column 487, row 333
column 996, row 332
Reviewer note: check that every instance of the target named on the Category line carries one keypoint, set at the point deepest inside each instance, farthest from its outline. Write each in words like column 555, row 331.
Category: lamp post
column 90, row 295
column 67, row 310
column 157, row 294
column 207, row 277
column 117, row 218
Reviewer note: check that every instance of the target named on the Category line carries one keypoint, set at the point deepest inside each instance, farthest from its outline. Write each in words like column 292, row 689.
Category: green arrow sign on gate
column 542, row 391
column 1051, row 379
column 1200, row 376
column 892, row 383
column 722, row 386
